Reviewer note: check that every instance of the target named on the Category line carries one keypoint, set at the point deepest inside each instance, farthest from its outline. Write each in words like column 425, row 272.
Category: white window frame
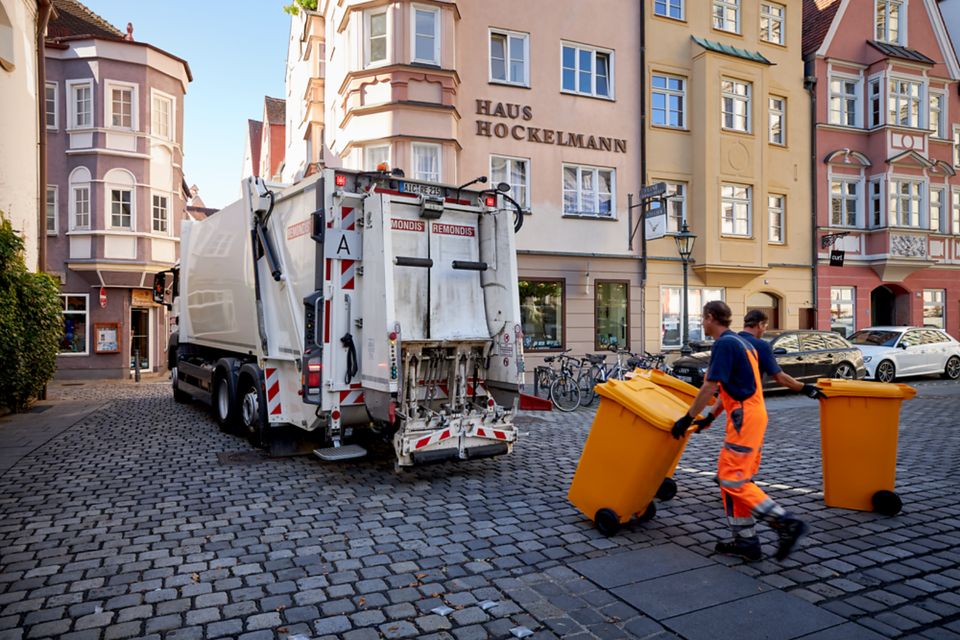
column 896, row 199
column 108, row 88
column 55, row 205
column 507, row 52
column 942, row 118
column 735, row 201
column 875, row 80
column 726, row 5
column 577, row 48
column 668, row 93
column 845, row 180
column 74, row 185
column 692, row 312
column 510, row 161
column 367, row 15
column 941, row 210
column 435, row 12
column 728, row 95
column 166, row 214
column 108, row 188
column 857, row 96
column 780, row 113
column 423, row 146
column 72, row 87
column 668, row 5
column 956, row 146
column 766, row 34
column 942, row 303
column 875, row 196
column 954, row 212
column 56, row 105
column 781, row 211
column 838, row 295
column 895, row 98
column 156, row 95
column 901, row 22
column 580, row 169
column 86, row 323
column 369, row 163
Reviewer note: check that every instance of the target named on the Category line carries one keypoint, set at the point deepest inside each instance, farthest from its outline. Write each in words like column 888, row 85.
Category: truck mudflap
column 458, row 439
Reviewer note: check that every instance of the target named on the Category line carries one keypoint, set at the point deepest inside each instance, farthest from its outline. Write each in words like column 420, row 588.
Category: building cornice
column 372, row 72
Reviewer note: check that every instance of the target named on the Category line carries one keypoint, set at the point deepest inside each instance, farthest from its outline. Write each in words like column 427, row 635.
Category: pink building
column 115, row 189
column 886, row 158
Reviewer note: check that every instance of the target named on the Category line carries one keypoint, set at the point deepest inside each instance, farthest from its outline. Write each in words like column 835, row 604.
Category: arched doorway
column 889, row 306
column 769, row 304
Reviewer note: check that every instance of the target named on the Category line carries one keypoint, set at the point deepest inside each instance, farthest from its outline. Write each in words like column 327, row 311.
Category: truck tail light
column 340, row 180
column 490, row 201
column 314, row 369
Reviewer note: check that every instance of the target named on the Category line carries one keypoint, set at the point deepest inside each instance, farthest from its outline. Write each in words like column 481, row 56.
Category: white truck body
column 373, row 300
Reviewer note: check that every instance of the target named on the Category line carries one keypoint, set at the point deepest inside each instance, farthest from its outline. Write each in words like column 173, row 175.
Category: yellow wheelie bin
column 858, row 437
column 627, row 454
column 685, row 392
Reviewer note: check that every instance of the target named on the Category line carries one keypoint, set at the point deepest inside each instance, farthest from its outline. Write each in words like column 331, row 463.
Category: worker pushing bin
column 858, row 436
column 627, row 454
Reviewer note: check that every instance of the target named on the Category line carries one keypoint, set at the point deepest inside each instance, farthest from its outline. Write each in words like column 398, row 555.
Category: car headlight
column 702, row 370
column 867, row 358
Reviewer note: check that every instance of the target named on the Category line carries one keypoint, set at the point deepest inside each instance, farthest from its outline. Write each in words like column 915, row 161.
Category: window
column 375, row 40
column 726, row 15
column 736, row 105
column 956, row 147
column 888, row 22
column 160, row 214
column 812, row 342
column 121, row 106
column 955, row 212
column 933, row 308
column 735, row 210
column 771, row 22
column 789, row 343
column 775, row 205
column 81, row 207
column 121, row 208
column 668, row 95
column 426, row 162
column 845, row 102
column 516, row 173
column 876, row 202
column 842, row 305
column 611, row 315
column 906, row 197
column 668, row 8
column 588, row 191
column 52, row 209
column 375, row 155
column 587, row 71
column 74, row 340
column 509, row 53
column 778, row 117
column 874, row 103
column 844, row 202
column 50, row 102
column 676, row 197
column 671, row 313
column 541, row 313
column 936, row 209
column 81, row 105
column 426, row 35
column 903, row 103
column 937, row 117
column 161, row 117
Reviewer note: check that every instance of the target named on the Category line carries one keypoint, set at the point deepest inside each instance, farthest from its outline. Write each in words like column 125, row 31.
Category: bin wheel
column 887, row 503
column 667, row 490
column 607, row 521
column 648, row 514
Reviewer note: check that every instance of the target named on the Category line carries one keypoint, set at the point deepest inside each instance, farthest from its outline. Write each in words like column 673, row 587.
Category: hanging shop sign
column 103, row 298
column 509, row 120
column 836, row 258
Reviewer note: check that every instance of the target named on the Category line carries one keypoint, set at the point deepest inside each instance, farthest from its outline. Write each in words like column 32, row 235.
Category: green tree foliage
column 294, row 7
column 31, row 324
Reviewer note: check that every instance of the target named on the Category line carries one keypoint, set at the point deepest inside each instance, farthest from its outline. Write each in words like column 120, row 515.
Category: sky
column 237, row 53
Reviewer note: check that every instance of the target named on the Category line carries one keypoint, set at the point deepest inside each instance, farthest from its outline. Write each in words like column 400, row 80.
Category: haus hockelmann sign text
column 514, row 112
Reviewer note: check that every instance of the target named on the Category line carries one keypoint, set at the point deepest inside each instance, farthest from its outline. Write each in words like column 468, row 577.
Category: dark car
column 804, row 355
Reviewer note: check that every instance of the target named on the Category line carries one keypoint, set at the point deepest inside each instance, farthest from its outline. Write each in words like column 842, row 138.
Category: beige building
column 550, row 101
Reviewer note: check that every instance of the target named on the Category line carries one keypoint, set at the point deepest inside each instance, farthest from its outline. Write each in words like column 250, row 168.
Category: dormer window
column 890, row 22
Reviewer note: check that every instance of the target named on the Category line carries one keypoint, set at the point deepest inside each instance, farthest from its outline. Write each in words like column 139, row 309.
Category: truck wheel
column 178, row 395
column 223, row 403
column 253, row 415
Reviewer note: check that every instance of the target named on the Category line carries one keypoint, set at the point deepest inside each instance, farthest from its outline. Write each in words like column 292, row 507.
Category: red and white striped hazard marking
column 273, row 391
column 433, row 438
column 348, row 270
column 353, row 396
column 487, row 432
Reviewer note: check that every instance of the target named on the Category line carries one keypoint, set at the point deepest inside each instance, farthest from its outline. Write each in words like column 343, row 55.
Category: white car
column 891, row 352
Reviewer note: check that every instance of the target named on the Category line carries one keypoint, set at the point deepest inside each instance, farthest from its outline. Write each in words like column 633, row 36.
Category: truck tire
column 178, row 395
column 253, row 411
column 223, row 400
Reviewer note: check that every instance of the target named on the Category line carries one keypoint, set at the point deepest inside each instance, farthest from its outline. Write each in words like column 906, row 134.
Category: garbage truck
column 354, row 301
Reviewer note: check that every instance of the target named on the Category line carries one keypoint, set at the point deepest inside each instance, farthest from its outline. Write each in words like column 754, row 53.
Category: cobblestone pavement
column 144, row 520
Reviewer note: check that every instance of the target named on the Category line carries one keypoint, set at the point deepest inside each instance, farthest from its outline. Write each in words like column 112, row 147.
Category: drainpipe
column 810, row 84
column 43, row 17
column 643, row 167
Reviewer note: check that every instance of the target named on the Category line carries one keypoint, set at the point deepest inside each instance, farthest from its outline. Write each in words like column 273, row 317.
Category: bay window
column 906, row 198
column 844, row 202
column 903, row 102
column 736, row 210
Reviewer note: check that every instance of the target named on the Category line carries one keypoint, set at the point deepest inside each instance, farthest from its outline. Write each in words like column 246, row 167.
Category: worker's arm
column 809, row 390
column 704, row 397
column 712, row 414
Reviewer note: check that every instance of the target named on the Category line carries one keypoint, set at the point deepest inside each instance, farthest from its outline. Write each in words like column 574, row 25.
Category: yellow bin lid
column 834, row 388
column 654, row 405
column 666, row 380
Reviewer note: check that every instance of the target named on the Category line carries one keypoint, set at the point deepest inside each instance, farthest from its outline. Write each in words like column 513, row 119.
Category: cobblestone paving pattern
column 132, row 523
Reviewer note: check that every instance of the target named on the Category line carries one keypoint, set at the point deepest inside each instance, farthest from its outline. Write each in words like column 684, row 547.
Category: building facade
column 115, row 189
column 887, row 153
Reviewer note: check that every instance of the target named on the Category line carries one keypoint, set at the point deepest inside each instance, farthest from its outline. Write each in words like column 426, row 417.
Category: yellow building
column 728, row 129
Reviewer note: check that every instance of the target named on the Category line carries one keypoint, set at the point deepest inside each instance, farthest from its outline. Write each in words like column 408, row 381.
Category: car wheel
column 886, row 372
column 844, row 371
column 952, row 370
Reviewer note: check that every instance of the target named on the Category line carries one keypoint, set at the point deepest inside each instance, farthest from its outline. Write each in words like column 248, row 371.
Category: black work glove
column 680, row 426
column 812, row 391
column 703, row 423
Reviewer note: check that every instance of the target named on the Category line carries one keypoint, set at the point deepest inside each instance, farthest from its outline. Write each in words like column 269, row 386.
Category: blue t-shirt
column 768, row 363
column 730, row 366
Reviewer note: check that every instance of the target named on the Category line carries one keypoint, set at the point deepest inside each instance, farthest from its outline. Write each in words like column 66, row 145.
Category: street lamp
column 685, row 240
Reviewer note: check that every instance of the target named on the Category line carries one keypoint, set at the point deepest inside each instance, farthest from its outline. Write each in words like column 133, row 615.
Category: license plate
column 426, row 189
column 685, row 378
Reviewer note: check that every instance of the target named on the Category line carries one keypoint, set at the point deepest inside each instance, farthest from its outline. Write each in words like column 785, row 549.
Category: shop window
column 75, row 324
column 933, row 308
column 612, row 315
column 541, row 313
column 842, row 308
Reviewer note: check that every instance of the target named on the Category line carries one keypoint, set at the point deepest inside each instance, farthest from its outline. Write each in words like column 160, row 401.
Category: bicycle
column 545, row 374
column 564, row 390
column 599, row 372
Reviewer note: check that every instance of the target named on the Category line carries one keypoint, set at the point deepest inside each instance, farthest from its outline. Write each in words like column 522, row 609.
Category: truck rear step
column 345, row 452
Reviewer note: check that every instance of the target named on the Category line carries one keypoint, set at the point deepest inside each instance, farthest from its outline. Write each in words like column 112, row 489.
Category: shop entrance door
column 140, row 338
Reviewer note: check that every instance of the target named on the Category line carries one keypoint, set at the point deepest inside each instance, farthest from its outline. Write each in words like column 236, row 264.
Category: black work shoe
column 789, row 529
column 746, row 548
